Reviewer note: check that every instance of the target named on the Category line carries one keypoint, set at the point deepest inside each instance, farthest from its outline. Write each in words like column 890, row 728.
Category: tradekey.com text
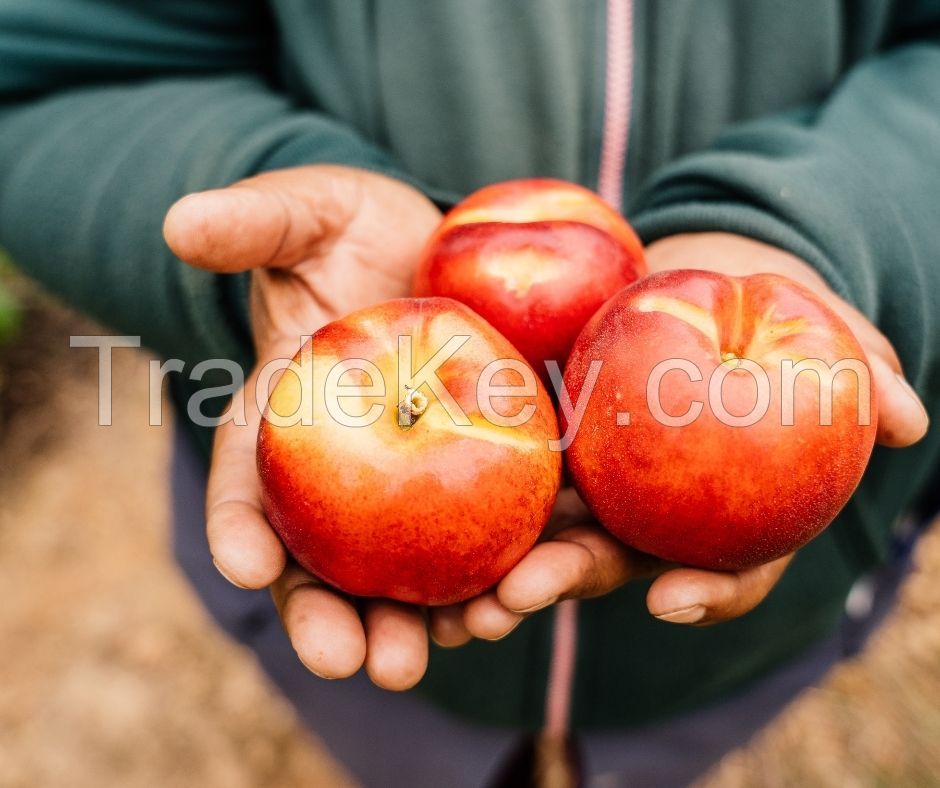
column 354, row 393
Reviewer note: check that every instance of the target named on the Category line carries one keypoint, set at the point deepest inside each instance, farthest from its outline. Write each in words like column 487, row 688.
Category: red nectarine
column 536, row 258
column 426, row 488
column 733, row 452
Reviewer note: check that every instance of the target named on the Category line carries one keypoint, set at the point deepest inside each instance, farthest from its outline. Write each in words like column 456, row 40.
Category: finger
column 324, row 628
column 271, row 220
column 446, row 626
column 874, row 342
column 397, row 652
column 291, row 578
column 486, row 618
column 902, row 418
column 244, row 547
column 697, row 596
column 583, row 561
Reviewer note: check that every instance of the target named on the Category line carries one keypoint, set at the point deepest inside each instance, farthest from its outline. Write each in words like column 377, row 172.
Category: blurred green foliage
column 10, row 312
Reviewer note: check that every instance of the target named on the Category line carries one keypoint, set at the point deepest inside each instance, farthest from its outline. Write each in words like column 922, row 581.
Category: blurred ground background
column 113, row 675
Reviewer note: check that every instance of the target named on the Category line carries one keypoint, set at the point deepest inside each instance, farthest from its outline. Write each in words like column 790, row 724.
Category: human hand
column 582, row 560
column 320, row 241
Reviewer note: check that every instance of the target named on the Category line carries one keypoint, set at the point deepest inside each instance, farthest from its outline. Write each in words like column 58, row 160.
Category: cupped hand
column 320, row 241
column 581, row 560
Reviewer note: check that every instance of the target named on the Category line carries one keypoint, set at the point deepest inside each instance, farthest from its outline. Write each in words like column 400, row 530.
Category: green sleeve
column 111, row 111
column 853, row 187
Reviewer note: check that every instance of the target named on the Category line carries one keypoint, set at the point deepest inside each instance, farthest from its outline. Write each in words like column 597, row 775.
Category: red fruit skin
column 710, row 494
column 540, row 200
column 432, row 515
column 536, row 258
column 536, row 283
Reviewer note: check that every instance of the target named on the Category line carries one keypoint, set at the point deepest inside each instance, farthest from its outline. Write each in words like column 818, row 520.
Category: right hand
column 581, row 560
column 320, row 241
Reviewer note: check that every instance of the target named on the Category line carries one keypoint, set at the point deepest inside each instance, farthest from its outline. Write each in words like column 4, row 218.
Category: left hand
column 581, row 560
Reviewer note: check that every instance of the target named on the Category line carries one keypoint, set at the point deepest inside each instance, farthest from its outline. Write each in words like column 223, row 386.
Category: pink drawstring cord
column 617, row 101
column 617, row 104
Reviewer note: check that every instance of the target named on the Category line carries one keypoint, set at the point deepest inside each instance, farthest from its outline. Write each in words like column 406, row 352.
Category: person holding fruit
column 297, row 161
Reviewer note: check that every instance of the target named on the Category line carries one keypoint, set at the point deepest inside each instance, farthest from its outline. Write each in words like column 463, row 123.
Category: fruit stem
column 411, row 407
column 732, row 360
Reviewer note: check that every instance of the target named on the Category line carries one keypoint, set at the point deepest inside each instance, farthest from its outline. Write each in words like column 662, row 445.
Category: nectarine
column 731, row 420
column 421, row 468
column 536, row 258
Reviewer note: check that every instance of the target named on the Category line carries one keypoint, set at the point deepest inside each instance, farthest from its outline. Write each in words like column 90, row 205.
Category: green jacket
column 810, row 124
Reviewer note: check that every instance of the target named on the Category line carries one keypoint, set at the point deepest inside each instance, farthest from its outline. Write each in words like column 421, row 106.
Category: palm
column 370, row 244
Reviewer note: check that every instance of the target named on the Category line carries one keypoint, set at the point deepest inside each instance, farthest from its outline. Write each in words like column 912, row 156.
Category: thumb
column 696, row 596
column 902, row 418
column 276, row 219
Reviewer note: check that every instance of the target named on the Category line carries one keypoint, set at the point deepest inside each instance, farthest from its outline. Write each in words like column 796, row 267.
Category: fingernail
column 227, row 577
column 539, row 606
column 912, row 394
column 441, row 644
column 507, row 633
column 314, row 672
column 685, row 615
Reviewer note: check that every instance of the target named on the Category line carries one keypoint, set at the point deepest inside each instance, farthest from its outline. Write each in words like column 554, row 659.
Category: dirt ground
column 113, row 675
